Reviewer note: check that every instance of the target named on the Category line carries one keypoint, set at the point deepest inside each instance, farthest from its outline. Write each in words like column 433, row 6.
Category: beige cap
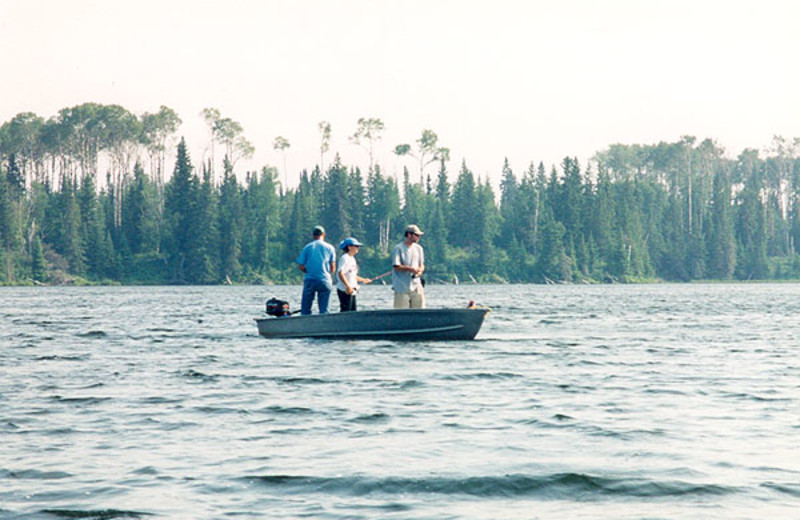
column 413, row 228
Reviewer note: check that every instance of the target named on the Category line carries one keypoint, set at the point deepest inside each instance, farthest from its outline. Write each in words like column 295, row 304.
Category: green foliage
column 675, row 211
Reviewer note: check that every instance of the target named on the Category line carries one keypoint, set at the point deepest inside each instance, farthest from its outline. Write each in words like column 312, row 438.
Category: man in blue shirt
column 317, row 260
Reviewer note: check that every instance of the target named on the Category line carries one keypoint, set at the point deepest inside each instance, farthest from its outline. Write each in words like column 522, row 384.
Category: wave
column 198, row 376
column 375, row 418
column 301, row 380
column 93, row 334
column 80, row 400
column 101, row 514
column 557, row 486
column 290, row 410
column 791, row 489
column 481, row 375
column 33, row 474
column 55, row 357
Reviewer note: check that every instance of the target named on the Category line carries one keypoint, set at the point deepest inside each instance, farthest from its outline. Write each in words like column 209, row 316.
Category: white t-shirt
column 349, row 267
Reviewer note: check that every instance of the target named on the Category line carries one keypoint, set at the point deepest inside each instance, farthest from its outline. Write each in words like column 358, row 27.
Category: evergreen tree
column 552, row 263
column 412, row 201
column 301, row 220
column 231, row 224
column 443, row 187
column 671, row 263
column 140, row 220
column 511, row 217
column 568, row 200
column 66, row 228
column 178, row 202
column 9, row 238
column 202, row 256
column 527, row 211
column 383, row 208
column 436, row 242
column 100, row 248
column 336, row 212
column 38, row 261
column 601, row 221
column 464, row 210
column 487, row 219
column 16, row 181
column 721, row 242
column 262, row 206
column 356, row 198
column 751, row 234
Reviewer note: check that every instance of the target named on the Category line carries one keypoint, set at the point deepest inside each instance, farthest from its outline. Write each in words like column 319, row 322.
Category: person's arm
column 343, row 278
column 301, row 260
column 397, row 262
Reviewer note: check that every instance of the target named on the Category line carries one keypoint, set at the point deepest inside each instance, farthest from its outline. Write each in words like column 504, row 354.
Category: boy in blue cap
column 348, row 279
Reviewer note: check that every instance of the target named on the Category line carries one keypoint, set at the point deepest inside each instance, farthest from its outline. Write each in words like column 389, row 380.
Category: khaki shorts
column 410, row 300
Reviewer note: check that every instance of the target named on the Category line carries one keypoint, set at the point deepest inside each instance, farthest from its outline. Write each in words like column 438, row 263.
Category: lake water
column 579, row 402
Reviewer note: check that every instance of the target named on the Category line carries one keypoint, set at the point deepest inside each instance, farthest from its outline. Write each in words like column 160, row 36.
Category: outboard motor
column 276, row 307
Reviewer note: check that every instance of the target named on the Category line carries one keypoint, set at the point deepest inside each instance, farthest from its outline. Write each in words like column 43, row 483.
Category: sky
column 531, row 81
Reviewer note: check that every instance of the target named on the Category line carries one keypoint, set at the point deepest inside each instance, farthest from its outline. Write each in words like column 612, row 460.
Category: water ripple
column 659, row 401
column 556, row 486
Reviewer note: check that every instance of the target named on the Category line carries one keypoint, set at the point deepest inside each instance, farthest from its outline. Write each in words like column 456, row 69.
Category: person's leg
column 344, row 300
column 323, row 297
column 417, row 298
column 307, row 299
column 401, row 301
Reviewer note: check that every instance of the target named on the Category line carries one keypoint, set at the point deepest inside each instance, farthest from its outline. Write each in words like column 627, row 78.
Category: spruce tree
column 202, row 255
column 356, row 197
column 178, row 206
column 140, row 214
column 8, row 225
column 335, row 214
column 511, row 218
column 487, row 220
column 261, row 241
column 464, row 210
column 38, row 261
column 231, row 224
column 751, row 233
column 721, row 242
column 552, row 263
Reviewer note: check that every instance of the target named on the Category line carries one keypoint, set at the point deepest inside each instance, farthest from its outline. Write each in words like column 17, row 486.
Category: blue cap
column 350, row 241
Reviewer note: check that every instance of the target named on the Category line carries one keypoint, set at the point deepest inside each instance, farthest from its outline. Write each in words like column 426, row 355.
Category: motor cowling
column 276, row 307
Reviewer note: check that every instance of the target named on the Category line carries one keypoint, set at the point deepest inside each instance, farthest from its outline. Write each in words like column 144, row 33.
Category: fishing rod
column 387, row 273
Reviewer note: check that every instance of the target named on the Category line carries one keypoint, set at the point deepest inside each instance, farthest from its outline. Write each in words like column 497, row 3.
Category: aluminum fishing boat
column 391, row 324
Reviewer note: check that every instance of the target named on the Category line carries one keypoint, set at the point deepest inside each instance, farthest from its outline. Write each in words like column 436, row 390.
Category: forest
column 86, row 198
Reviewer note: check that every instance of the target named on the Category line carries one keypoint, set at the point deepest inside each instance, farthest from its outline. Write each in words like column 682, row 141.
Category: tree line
column 676, row 211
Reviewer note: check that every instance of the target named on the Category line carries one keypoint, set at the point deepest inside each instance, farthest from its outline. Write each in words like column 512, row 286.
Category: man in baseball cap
column 408, row 264
column 317, row 261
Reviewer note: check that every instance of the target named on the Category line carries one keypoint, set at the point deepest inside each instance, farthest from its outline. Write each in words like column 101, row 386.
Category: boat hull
column 391, row 324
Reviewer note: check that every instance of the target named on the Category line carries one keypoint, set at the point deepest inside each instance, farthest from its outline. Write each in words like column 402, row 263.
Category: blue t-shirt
column 317, row 257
